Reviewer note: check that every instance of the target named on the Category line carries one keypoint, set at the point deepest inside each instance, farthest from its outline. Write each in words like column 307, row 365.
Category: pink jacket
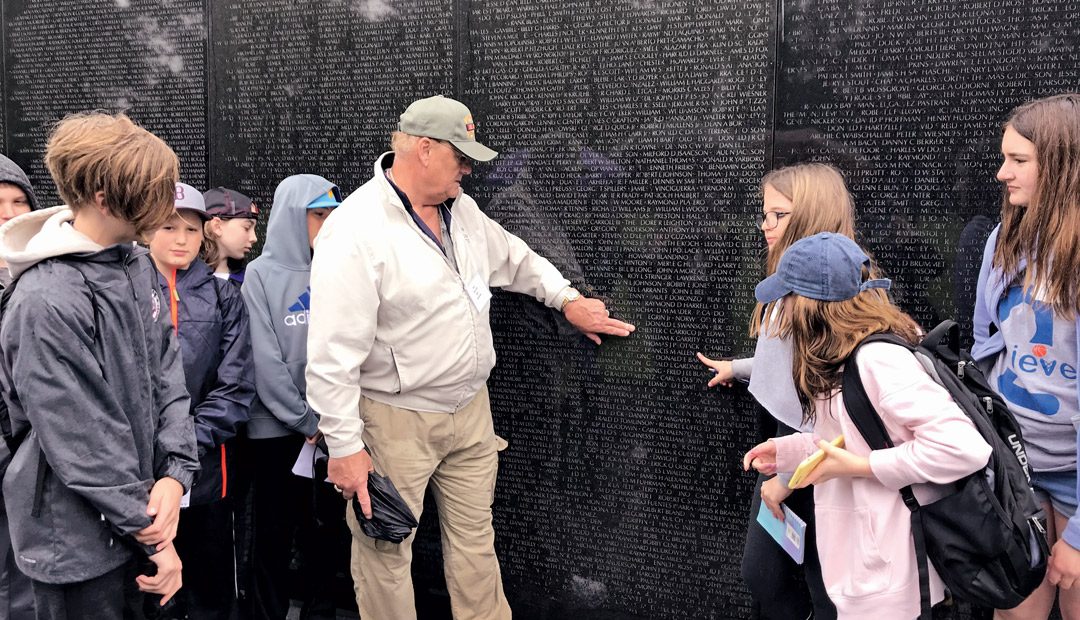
column 863, row 528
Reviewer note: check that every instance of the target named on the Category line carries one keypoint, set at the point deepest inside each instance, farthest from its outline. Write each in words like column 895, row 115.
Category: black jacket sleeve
column 226, row 407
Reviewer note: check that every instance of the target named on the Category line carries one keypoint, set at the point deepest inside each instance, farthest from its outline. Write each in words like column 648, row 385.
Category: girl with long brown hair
column 831, row 303
column 798, row 201
column 1027, row 323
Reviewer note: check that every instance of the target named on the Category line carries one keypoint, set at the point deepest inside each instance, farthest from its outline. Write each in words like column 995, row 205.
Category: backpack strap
column 946, row 334
column 866, row 419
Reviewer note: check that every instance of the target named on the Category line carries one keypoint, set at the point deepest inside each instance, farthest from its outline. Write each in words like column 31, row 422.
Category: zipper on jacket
column 174, row 303
column 224, row 473
column 142, row 324
column 1038, row 525
column 960, row 368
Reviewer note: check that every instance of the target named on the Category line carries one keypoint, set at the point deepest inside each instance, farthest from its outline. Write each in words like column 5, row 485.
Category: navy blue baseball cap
column 825, row 266
column 228, row 204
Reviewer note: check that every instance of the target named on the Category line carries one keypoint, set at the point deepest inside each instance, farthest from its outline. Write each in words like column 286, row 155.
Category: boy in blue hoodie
column 91, row 366
column 276, row 292
column 209, row 318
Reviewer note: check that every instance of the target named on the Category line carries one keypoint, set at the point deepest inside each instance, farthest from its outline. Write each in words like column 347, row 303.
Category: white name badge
column 479, row 292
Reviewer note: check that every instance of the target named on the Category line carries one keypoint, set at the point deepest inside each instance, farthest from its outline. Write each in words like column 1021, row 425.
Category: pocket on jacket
column 380, row 371
column 42, row 477
column 852, row 564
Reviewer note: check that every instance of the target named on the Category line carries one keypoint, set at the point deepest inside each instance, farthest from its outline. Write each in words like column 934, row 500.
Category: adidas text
column 297, row 318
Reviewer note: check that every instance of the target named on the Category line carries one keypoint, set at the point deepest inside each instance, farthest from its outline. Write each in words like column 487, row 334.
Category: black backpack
column 987, row 539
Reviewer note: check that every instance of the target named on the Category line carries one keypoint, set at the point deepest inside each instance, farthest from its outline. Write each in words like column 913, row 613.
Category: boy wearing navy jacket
column 209, row 318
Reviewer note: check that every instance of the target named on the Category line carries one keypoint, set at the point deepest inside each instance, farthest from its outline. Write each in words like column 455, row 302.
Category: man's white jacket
column 390, row 317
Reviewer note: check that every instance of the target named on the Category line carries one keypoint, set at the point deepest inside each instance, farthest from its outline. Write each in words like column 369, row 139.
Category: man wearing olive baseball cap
column 400, row 349
column 446, row 120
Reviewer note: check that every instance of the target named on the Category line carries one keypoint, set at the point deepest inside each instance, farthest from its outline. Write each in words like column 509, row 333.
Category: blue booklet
column 789, row 533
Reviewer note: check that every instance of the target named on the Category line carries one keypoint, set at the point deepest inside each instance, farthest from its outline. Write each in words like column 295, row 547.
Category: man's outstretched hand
column 591, row 317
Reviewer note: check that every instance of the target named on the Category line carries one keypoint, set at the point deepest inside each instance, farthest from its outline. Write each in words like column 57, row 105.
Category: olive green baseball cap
column 443, row 118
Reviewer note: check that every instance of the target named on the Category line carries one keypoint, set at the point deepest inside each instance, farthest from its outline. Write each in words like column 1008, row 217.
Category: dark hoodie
column 10, row 172
column 16, row 598
column 276, row 292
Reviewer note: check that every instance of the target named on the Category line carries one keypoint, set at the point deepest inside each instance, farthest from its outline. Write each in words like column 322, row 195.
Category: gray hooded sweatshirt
column 276, row 290
column 90, row 365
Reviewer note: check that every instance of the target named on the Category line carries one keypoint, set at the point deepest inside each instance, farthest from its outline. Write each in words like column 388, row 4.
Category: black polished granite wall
column 633, row 135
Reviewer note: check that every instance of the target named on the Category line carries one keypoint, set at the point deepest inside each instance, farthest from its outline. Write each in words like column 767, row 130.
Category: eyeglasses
column 462, row 158
column 770, row 219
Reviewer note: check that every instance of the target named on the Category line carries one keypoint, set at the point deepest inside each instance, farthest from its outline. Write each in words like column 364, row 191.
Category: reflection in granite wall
column 316, row 86
column 633, row 134
column 908, row 98
column 144, row 56
column 633, row 165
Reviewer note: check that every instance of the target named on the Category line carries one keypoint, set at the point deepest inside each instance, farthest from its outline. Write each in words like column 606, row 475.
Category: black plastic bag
column 391, row 518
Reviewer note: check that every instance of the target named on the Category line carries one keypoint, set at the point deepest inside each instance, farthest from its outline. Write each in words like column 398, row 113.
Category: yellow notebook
column 810, row 462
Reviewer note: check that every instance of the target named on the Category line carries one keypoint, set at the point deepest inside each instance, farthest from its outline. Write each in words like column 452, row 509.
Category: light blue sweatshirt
column 992, row 288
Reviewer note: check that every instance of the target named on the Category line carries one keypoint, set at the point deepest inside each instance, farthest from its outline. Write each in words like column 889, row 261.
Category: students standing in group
column 799, row 201
column 831, row 303
column 276, row 290
column 91, row 366
column 1027, row 323
column 209, row 318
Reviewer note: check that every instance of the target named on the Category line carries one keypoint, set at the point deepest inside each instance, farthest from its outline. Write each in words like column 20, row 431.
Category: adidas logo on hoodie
column 299, row 310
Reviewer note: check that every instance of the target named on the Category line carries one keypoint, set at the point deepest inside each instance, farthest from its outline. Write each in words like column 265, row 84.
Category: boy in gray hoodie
column 16, row 597
column 275, row 290
column 92, row 377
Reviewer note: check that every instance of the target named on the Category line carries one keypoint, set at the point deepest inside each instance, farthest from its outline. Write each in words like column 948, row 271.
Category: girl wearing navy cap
column 230, row 233
column 868, row 560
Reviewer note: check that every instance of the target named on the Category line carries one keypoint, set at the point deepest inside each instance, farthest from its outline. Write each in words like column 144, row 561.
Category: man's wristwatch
column 572, row 294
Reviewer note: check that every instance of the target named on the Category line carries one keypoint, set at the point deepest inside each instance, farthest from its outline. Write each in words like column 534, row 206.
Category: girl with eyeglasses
column 798, row 201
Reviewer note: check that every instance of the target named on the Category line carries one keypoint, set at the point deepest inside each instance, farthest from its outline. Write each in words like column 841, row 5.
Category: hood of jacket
column 30, row 238
column 286, row 232
column 10, row 172
column 276, row 290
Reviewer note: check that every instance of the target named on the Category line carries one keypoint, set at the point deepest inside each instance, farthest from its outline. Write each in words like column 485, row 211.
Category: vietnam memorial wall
column 633, row 135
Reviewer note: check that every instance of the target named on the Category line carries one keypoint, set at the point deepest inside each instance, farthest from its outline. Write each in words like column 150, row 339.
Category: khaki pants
column 458, row 454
